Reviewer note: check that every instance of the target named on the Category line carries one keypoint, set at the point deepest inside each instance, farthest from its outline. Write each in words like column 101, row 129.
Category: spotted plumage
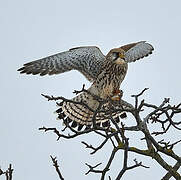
column 106, row 73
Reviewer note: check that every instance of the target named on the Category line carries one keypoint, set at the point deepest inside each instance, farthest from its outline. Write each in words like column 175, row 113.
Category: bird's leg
column 117, row 95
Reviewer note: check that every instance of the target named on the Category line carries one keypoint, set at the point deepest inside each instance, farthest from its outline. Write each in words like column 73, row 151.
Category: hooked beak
column 122, row 56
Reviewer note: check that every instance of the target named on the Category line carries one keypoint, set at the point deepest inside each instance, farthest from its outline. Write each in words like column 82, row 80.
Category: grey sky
column 33, row 29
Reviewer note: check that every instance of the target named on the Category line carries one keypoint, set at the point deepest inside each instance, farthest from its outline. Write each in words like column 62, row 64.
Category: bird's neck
column 114, row 68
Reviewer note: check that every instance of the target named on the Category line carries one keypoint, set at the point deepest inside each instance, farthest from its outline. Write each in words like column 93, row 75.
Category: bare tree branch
column 175, row 168
column 8, row 173
column 92, row 168
column 55, row 164
column 163, row 114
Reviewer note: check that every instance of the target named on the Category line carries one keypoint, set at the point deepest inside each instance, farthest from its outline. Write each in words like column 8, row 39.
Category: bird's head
column 117, row 56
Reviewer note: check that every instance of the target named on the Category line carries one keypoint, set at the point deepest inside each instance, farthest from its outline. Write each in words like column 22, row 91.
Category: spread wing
column 136, row 51
column 87, row 60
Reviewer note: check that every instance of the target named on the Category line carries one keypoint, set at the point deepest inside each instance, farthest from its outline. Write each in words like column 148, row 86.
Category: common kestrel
column 106, row 73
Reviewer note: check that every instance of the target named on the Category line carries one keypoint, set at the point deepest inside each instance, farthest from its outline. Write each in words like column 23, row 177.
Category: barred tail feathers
column 79, row 114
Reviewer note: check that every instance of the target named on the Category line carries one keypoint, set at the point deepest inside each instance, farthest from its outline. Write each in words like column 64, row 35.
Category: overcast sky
column 33, row 29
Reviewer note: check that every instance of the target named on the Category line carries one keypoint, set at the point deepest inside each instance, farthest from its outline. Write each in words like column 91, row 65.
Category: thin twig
column 8, row 173
column 92, row 168
column 55, row 164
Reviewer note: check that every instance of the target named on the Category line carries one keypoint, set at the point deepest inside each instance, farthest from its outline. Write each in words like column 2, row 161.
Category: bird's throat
column 120, row 61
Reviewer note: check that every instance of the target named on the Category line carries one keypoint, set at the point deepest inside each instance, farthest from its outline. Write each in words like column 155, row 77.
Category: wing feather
column 88, row 60
column 136, row 51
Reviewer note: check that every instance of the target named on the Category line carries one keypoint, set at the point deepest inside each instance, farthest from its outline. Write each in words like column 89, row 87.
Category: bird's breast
column 107, row 91
column 106, row 85
column 109, row 81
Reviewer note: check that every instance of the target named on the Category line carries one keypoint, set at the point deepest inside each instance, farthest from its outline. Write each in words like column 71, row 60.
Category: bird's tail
column 80, row 111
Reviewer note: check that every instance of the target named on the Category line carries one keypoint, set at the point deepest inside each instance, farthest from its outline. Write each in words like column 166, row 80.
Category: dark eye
column 115, row 55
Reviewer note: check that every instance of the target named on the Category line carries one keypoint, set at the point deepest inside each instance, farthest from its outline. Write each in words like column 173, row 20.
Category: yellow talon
column 117, row 94
column 116, row 98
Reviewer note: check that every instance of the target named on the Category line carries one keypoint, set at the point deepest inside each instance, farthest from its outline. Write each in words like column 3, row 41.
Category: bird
column 105, row 72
